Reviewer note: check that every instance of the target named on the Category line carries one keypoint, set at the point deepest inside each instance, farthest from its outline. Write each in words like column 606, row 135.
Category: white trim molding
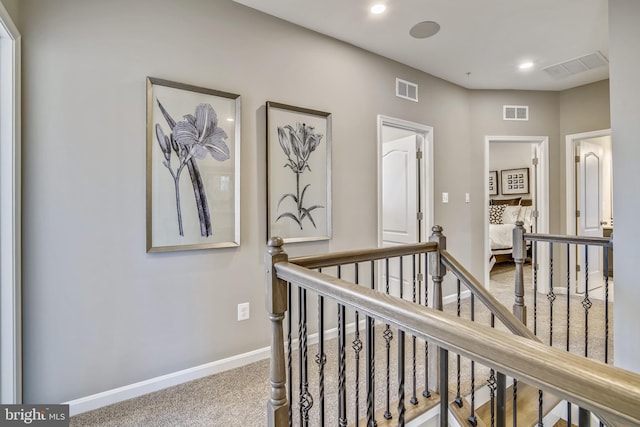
column 120, row 394
column 10, row 199
column 542, row 197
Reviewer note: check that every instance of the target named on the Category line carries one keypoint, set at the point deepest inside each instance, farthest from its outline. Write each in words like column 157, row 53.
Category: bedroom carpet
column 238, row 397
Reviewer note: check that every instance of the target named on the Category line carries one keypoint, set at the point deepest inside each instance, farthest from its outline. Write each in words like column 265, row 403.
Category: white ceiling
column 480, row 43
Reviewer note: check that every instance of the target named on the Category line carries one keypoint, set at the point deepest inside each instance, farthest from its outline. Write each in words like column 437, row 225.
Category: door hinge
column 420, row 216
column 577, row 159
column 419, row 277
column 577, row 214
column 578, row 268
column 535, row 214
column 534, row 161
column 418, row 154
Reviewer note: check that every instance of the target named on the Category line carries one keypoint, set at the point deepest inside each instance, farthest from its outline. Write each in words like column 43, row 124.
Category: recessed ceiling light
column 378, row 8
column 424, row 29
column 525, row 65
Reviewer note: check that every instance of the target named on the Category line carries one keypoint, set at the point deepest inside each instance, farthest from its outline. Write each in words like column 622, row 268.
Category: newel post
column 438, row 362
column 276, row 304
column 436, row 267
column 519, row 254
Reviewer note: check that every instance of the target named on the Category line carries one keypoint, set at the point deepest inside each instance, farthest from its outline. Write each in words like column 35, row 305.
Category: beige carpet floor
column 238, row 397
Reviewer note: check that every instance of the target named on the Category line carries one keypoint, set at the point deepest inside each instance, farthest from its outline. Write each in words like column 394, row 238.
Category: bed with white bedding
column 502, row 219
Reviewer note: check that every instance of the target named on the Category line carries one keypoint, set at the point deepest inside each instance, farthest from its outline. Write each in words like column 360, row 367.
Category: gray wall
column 486, row 119
column 625, row 111
column 582, row 109
column 99, row 312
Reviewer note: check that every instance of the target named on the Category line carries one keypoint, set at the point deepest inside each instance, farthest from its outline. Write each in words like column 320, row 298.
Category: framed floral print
column 193, row 167
column 298, row 173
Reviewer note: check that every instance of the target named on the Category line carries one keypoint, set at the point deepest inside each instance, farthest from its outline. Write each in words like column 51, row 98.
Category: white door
column 589, row 174
column 400, row 191
column 400, row 205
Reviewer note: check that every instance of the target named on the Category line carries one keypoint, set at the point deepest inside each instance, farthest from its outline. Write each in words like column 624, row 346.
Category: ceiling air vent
column 515, row 112
column 577, row 65
column 406, row 90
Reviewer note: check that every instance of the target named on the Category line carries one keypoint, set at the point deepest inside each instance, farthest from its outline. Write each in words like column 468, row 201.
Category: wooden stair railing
column 570, row 244
column 476, row 342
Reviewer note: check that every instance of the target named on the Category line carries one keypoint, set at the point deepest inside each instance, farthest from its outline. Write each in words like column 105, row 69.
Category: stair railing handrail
column 610, row 392
column 361, row 255
column 558, row 238
column 492, row 304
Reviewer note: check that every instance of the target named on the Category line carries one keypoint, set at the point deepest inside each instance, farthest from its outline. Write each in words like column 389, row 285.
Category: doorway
column 405, row 187
column 539, row 193
column 10, row 194
column 589, row 206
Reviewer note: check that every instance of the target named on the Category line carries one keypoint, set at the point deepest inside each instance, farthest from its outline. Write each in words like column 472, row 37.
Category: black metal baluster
column 586, row 302
column 388, row 336
column 501, row 399
column 342, row 395
column 426, row 393
column 458, row 399
column 444, row 387
column 289, row 355
column 472, row 414
column 401, row 408
column 535, row 288
column 551, row 296
column 584, row 416
column 321, row 358
column 568, row 295
column 606, row 304
column 568, row 317
column 515, row 402
column 357, row 347
column 306, row 400
column 414, row 398
column 492, row 383
column 371, row 422
column 540, row 400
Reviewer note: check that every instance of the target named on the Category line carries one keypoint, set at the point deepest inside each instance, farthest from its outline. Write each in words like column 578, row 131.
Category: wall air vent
column 406, row 90
column 577, row 65
column 515, row 112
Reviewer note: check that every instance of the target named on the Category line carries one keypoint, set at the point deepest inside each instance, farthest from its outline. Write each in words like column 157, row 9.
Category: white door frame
column 426, row 186
column 10, row 265
column 542, row 199
column 570, row 218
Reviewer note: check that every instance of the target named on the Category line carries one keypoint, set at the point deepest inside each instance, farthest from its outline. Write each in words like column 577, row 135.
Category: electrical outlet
column 243, row 311
column 445, row 197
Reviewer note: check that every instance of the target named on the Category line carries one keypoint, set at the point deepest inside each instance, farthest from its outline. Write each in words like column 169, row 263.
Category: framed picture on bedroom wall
column 515, row 181
column 493, row 183
column 298, row 173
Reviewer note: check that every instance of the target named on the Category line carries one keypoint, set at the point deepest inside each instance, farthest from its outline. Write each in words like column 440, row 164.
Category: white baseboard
column 130, row 391
column 109, row 397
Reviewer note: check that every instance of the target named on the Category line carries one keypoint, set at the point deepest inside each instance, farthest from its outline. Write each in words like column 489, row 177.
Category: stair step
column 563, row 423
column 411, row 411
column 527, row 406
column 462, row 413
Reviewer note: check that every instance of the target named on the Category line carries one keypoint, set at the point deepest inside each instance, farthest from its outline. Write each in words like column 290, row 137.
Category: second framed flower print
column 298, row 173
